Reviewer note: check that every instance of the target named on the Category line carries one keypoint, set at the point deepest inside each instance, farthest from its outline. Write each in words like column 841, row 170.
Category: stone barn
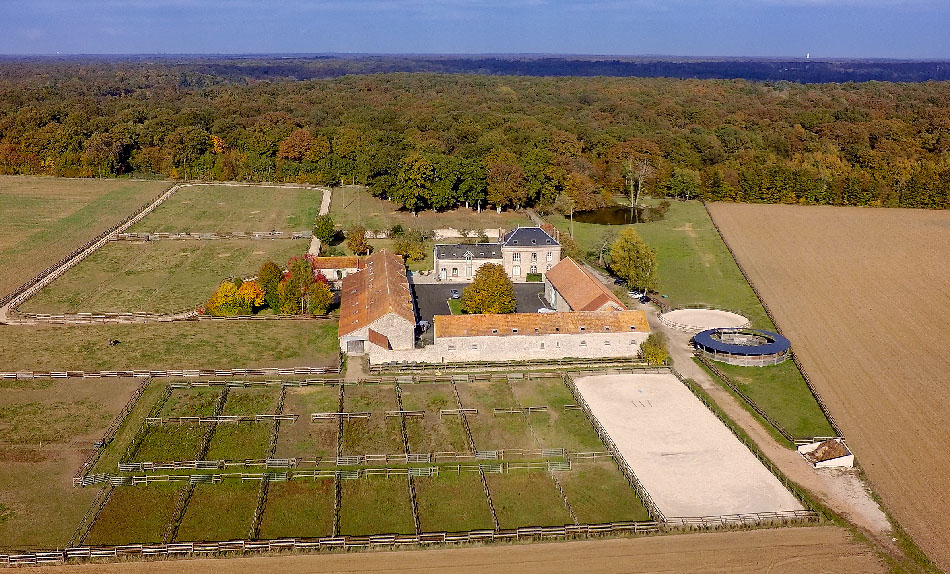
column 376, row 306
column 570, row 287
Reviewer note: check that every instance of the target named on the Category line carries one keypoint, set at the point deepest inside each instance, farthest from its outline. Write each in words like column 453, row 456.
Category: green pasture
column 452, row 502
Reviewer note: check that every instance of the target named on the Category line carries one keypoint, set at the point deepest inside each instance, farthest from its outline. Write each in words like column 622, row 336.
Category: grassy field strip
column 156, row 276
column 216, row 513
column 378, row 434
column 527, row 499
column 228, row 208
column 298, row 509
column 599, row 493
column 135, row 515
column 303, row 438
column 556, row 427
column 376, row 505
column 452, row 503
column 490, row 431
column 433, row 433
column 45, row 219
column 180, row 345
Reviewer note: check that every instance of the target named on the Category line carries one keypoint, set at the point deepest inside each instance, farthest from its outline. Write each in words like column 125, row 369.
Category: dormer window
column 633, row 327
column 494, row 331
column 583, row 328
column 606, row 328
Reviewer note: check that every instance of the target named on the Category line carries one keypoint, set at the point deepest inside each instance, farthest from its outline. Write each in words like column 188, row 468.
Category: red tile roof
column 580, row 288
column 541, row 324
column 380, row 288
column 348, row 262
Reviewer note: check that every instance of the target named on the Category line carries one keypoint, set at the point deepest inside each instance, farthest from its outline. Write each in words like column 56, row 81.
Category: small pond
column 619, row 215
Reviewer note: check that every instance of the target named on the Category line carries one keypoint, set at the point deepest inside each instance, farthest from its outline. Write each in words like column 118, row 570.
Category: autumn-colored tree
column 320, row 297
column 268, row 277
column 491, row 291
column 654, row 349
column 324, row 229
column 223, row 303
column 289, row 302
column 633, row 260
column 296, row 146
column 356, row 240
column 249, row 297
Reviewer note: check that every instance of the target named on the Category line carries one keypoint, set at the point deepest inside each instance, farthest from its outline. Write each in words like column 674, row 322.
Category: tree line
column 430, row 141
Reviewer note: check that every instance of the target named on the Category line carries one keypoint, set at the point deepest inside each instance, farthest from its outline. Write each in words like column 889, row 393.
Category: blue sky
column 768, row 28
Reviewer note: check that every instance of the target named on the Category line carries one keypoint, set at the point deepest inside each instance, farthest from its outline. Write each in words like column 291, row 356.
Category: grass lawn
column 198, row 402
column 240, row 441
column 135, row 514
column 163, row 443
column 781, row 391
column 124, row 436
column 219, row 511
column 694, row 265
column 491, row 431
column 433, row 433
column 556, row 428
column 47, row 429
column 157, row 276
column 378, row 434
column 222, row 209
column 253, row 401
column 298, row 509
column 527, row 498
column 180, row 345
column 355, row 205
column 46, row 218
column 452, row 503
column 303, row 438
column 376, row 505
column 598, row 492
column 455, row 306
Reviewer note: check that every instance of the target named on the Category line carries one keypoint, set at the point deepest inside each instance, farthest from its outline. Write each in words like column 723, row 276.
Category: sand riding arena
column 694, row 320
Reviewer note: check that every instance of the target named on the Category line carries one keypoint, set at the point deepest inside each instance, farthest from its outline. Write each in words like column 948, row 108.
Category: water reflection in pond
column 619, row 215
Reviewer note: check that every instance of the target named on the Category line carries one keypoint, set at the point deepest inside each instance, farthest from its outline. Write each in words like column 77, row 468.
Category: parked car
column 454, row 294
column 546, row 310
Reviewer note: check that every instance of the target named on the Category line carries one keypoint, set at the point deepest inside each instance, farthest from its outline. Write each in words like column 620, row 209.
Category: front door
column 354, row 347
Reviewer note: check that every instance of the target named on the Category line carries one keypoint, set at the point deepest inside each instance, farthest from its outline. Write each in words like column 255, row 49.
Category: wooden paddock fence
column 692, row 328
column 145, row 236
column 194, row 549
column 411, row 458
column 184, row 373
column 139, row 317
column 162, row 421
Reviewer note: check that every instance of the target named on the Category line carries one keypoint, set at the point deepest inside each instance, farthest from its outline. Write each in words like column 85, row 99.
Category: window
column 474, row 346
column 451, row 347
column 455, row 272
column 606, row 343
column 514, row 330
column 547, row 268
column 534, row 257
column 516, row 270
column 516, row 256
column 606, row 327
column 550, row 256
column 542, row 345
column 557, row 344
column 633, row 341
column 583, row 343
column 494, row 331
column 583, row 328
column 534, row 269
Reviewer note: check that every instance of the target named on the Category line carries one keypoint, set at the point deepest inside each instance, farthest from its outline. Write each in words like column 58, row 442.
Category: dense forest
column 435, row 141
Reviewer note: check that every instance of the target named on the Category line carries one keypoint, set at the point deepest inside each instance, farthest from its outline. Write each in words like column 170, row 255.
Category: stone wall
column 400, row 332
column 516, row 347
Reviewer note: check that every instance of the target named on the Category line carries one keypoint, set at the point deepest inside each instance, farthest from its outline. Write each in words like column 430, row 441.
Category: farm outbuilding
column 376, row 306
column 745, row 347
column 570, row 287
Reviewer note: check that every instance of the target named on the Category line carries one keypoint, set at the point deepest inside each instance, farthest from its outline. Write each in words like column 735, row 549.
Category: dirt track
column 864, row 295
column 818, row 549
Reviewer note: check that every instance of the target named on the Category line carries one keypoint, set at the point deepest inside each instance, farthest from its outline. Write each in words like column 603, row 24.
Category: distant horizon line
column 461, row 55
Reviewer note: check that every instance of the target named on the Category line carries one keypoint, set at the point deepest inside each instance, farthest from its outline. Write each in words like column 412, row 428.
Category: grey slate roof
column 460, row 251
column 528, row 237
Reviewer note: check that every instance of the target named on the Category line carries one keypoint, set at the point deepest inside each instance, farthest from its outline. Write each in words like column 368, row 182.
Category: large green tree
column 633, row 260
column 491, row 291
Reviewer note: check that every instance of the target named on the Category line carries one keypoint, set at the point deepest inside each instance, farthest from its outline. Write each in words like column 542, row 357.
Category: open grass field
column 190, row 403
column 527, row 498
column 45, row 219
column 780, row 391
column 495, row 431
column 378, row 434
column 163, row 443
column 433, row 433
column 180, row 345
column 157, row 276
column 694, row 265
column 47, row 429
column 598, row 492
column 864, row 296
column 219, row 512
column 135, row 514
column 777, row 550
column 260, row 401
column 356, row 206
column 376, row 505
column 556, row 428
column 224, row 208
column 241, row 441
column 298, row 509
column 452, row 503
column 303, row 438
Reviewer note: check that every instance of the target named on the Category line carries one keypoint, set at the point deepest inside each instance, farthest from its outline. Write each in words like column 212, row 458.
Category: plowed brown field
column 792, row 550
column 864, row 295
